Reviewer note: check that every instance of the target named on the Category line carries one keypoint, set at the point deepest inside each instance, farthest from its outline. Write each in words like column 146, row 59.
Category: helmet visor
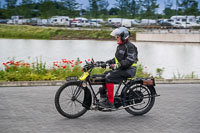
column 115, row 32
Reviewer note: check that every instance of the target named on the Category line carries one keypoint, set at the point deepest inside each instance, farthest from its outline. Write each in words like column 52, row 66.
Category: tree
column 134, row 7
column 26, row 8
column 123, row 6
column 103, row 5
column 113, row 11
column 93, row 8
column 150, row 8
column 11, row 3
column 98, row 8
column 189, row 7
column 71, row 6
column 168, row 11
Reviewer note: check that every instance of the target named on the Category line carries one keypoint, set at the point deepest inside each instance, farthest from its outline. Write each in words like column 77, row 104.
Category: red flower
column 72, row 66
column 64, row 61
column 63, row 66
column 80, row 62
column 4, row 64
column 72, row 60
column 17, row 64
column 11, row 62
column 27, row 65
column 88, row 59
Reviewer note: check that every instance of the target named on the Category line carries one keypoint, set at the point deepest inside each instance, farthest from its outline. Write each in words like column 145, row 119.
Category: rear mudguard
column 87, row 98
column 153, row 90
column 141, row 82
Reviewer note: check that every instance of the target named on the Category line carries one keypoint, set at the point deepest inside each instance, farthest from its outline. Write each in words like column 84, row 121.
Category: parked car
column 10, row 21
column 166, row 25
column 148, row 22
column 116, row 24
column 177, row 25
column 3, row 21
column 94, row 24
column 76, row 23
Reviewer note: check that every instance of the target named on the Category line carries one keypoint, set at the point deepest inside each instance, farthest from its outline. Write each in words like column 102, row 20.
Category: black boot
column 106, row 104
column 103, row 94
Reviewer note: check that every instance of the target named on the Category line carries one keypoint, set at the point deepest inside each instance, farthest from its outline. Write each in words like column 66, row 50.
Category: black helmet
column 121, row 31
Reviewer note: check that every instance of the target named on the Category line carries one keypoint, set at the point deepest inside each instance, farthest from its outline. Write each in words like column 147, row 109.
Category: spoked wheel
column 69, row 99
column 140, row 99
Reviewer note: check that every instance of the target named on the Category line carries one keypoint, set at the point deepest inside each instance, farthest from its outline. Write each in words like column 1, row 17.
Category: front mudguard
column 87, row 101
column 87, row 98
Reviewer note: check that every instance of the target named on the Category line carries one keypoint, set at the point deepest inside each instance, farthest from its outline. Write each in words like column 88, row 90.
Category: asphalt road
column 32, row 110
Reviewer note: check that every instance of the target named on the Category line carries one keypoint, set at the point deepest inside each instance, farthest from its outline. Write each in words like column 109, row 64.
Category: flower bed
column 23, row 71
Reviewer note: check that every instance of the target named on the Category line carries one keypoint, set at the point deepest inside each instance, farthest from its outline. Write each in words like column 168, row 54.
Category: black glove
column 103, row 65
column 109, row 62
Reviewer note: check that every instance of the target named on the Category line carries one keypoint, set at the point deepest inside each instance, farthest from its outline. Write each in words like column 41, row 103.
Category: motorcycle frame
column 94, row 99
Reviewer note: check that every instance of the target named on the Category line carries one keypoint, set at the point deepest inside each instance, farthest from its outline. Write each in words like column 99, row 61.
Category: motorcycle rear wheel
column 67, row 104
column 140, row 98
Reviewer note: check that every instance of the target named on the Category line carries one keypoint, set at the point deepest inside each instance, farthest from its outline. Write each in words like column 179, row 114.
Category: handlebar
column 92, row 64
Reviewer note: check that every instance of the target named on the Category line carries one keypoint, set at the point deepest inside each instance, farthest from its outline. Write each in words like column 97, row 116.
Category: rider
column 123, row 65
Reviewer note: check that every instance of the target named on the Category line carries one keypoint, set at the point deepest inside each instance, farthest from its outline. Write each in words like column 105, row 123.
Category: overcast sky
column 112, row 2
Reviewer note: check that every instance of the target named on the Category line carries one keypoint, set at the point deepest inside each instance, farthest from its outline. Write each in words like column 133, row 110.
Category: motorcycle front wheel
column 139, row 98
column 69, row 99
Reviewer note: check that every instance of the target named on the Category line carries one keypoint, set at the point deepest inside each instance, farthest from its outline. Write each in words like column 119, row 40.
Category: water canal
column 175, row 58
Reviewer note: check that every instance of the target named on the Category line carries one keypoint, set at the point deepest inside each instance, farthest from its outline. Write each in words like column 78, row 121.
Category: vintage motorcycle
column 75, row 97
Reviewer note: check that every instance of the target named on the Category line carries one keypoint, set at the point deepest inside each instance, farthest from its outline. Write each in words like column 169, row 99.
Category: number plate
column 72, row 78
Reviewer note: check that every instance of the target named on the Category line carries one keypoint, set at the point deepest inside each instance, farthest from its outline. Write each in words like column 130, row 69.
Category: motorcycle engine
column 117, row 102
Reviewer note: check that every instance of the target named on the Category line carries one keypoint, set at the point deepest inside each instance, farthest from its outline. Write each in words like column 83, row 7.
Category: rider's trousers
column 117, row 76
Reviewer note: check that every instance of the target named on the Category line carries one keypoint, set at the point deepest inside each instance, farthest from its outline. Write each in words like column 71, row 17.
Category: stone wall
column 168, row 37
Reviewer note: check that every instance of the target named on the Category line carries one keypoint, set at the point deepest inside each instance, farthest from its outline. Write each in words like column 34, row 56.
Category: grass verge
column 35, row 32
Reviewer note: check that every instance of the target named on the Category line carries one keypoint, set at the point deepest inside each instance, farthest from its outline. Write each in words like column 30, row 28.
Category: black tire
column 138, row 94
column 69, row 89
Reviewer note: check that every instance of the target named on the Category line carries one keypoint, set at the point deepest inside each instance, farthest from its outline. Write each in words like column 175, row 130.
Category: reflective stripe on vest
column 116, row 61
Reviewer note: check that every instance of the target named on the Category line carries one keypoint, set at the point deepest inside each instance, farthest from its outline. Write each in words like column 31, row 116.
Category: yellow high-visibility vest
column 116, row 61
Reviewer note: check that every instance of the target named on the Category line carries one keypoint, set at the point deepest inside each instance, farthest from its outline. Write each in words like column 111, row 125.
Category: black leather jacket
column 126, row 55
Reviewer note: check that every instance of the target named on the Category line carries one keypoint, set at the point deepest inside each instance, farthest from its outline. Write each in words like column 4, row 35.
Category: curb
column 60, row 82
column 177, row 81
column 31, row 83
